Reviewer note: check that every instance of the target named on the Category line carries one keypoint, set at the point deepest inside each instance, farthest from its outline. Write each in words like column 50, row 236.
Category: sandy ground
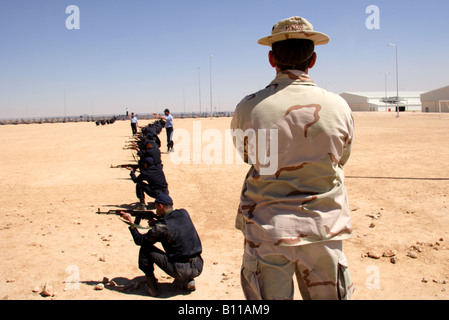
column 54, row 177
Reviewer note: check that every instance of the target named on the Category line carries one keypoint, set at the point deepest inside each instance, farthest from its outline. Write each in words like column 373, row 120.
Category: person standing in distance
column 168, row 118
column 134, row 123
column 295, row 219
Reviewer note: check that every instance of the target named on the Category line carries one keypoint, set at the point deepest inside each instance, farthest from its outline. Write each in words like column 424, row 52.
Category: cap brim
column 318, row 38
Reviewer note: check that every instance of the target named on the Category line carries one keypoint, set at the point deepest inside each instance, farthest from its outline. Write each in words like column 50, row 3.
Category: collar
column 293, row 77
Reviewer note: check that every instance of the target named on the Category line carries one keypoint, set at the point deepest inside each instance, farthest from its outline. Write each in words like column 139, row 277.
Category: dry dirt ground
column 54, row 177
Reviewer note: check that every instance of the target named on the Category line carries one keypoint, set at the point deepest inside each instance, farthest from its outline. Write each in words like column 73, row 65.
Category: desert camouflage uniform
column 304, row 202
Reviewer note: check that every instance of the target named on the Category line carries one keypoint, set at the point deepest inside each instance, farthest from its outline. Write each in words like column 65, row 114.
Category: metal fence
column 107, row 119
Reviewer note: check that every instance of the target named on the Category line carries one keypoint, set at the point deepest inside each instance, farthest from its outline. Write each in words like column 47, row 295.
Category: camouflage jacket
column 297, row 138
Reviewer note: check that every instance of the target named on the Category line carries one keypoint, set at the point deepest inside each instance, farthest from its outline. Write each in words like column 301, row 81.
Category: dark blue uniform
column 153, row 152
column 177, row 234
column 150, row 181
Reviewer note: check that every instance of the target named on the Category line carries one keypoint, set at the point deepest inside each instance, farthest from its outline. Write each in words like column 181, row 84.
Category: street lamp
column 397, row 74
column 386, row 91
column 211, row 84
column 199, row 86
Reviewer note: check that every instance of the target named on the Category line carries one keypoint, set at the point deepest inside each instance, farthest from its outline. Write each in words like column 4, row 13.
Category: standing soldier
column 295, row 219
column 168, row 128
column 134, row 122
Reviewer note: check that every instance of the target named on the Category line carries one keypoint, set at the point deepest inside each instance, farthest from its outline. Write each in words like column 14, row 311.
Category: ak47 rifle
column 132, row 166
column 138, row 214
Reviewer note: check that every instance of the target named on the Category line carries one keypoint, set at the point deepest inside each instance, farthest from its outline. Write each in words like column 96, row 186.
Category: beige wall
column 433, row 106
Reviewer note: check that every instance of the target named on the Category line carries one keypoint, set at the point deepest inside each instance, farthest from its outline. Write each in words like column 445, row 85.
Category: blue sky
column 147, row 55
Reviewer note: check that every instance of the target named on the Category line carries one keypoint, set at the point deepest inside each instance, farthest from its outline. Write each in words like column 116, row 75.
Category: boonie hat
column 294, row 28
column 163, row 199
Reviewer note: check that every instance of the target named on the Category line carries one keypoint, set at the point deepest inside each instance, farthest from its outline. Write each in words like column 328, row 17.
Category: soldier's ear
column 313, row 60
column 271, row 59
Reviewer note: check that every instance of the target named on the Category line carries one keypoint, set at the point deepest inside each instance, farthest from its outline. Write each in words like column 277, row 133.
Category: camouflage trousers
column 321, row 271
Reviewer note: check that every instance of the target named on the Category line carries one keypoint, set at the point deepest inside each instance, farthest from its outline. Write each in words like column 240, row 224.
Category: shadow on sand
column 138, row 286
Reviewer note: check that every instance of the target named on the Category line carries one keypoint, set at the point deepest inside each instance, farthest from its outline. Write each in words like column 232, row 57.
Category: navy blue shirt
column 153, row 152
column 175, row 232
column 154, row 176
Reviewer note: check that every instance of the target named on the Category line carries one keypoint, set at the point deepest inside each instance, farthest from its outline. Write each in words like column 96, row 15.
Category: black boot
column 152, row 286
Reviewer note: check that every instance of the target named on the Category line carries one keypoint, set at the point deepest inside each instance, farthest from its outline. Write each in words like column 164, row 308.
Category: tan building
column 433, row 100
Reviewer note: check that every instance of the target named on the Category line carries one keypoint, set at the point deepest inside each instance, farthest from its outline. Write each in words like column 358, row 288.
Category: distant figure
column 134, row 122
column 168, row 128
column 127, row 112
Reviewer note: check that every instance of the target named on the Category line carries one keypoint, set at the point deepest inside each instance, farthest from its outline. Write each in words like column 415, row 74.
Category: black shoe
column 190, row 286
column 152, row 287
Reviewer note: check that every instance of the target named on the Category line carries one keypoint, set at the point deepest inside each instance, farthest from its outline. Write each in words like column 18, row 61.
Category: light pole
column 386, row 91
column 184, row 98
column 397, row 74
column 65, row 108
column 211, row 84
column 199, row 86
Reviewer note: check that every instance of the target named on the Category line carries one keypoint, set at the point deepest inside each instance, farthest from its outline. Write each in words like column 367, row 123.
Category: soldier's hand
column 126, row 216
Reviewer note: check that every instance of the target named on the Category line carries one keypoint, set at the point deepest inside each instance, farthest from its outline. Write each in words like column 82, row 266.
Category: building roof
column 437, row 94
column 381, row 94
column 376, row 97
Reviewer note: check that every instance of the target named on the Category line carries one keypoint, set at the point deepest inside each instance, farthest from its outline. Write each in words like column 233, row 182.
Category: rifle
column 132, row 166
column 138, row 214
